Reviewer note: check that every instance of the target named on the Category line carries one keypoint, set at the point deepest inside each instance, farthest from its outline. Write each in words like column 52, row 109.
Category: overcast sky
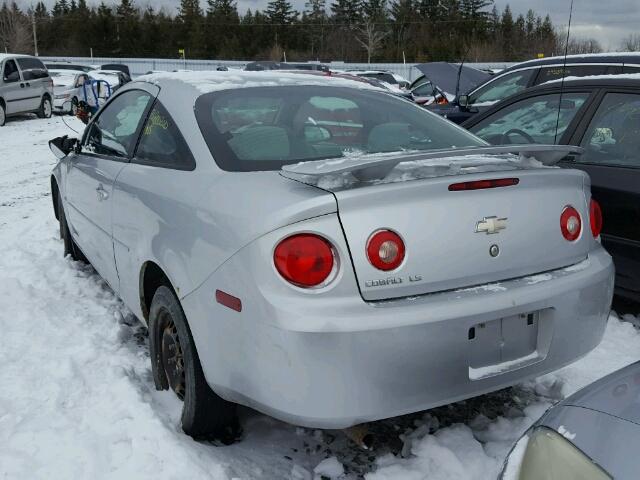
column 608, row 21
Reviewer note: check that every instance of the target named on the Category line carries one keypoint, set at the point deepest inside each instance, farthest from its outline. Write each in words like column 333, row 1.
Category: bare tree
column 370, row 36
column 15, row 31
column 579, row 46
column 631, row 43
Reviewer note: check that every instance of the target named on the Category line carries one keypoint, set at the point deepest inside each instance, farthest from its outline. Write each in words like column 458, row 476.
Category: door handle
column 102, row 193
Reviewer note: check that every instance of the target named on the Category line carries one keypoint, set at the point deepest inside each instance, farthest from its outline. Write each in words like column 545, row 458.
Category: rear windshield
column 264, row 128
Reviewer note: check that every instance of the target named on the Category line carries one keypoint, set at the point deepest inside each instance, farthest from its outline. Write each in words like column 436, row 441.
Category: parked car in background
column 602, row 115
column 591, row 435
column 117, row 67
column 77, row 67
column 68, row 90
column 25, row 87
column 114, row 78
column 289, row 253
column 384, row 76
column 262, row 65
column 525, row 75
column 426, row 93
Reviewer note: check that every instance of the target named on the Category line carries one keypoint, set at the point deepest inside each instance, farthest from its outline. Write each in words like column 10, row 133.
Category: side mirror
column 63, row 146
column 463, row 101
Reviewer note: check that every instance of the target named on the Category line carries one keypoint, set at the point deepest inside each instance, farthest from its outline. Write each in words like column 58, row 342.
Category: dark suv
column 535, row 72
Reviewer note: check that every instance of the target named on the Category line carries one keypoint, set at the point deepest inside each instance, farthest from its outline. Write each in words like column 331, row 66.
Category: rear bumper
column 414, row 356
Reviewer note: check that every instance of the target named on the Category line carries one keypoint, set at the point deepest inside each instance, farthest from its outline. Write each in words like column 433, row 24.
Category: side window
column 532, row 120
column 32, row 68
column 553, row 73
column 424, row 90
column 633, row 69
column 161, row 143
column 10, row 73
column 502, row 87
column 114, row 132
column 613, row 137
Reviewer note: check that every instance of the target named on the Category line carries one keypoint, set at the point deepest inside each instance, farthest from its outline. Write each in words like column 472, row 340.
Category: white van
column 25, row 87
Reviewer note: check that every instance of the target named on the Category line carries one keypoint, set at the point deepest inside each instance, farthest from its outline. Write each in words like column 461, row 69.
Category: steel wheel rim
column 172, row 356
column 2, row 116
column 47, row 108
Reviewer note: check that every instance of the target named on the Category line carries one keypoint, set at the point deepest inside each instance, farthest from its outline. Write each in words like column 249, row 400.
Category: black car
column 534, row 72
column 602, row 115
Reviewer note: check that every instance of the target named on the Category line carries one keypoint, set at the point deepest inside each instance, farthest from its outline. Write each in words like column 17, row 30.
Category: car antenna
column 460, row 73
column 564, row 72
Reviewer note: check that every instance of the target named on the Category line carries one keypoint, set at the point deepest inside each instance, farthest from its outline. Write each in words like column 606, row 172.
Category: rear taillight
column 305, row 260
column 385, row 250
column 595, row 218
column 570, row 223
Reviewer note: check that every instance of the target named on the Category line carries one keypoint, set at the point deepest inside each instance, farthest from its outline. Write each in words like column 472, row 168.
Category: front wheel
column 45, row 109
column 3, row 115
column 176, row 365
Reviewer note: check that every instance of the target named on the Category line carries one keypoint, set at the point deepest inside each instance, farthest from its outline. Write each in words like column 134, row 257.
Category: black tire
column 205, row 416
column 74, row 107
column 46, row 108
column 3, row 115
column 70, row 247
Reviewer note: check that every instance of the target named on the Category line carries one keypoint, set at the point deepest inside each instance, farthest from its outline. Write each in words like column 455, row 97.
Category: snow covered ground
column 77, row 398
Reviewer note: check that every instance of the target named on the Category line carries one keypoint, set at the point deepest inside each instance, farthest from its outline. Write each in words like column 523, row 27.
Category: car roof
column 612, row 57
column 65, row 71
column 623, row 80
column 211, row 81
column 13, row 55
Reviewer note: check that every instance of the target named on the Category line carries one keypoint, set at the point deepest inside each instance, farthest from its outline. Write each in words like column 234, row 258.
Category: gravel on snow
column 77, row 398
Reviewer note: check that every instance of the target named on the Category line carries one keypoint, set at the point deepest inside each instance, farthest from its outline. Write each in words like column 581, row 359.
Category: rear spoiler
column 379, row 166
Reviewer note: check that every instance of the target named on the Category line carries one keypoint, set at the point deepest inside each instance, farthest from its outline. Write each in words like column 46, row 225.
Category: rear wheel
column 176, row 365
column 45, row 109
column 74, row 107
column 70, row 247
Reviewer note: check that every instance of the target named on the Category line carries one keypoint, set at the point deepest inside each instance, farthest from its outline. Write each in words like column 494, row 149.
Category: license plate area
column 505, row 344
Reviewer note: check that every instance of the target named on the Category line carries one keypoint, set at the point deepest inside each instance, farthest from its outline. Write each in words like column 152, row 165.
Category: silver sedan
column 327, row 253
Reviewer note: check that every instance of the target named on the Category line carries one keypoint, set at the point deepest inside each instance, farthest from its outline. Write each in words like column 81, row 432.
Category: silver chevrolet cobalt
column 325, row 252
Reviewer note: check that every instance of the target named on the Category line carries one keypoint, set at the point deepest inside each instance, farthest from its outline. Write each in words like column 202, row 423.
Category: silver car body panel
column 326, row 357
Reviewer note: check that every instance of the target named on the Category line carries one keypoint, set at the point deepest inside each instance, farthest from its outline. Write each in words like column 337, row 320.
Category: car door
column 11, row 91
column 34, row 82
column 611, row 140
column 108, row 144
column 151, row 213
column 541, row 119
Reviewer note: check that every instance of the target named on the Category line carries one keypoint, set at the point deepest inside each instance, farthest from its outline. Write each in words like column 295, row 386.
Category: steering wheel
column 507, row 140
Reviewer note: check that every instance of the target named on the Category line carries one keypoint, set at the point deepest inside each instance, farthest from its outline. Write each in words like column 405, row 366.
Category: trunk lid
column 447, row 245
column 439, row 227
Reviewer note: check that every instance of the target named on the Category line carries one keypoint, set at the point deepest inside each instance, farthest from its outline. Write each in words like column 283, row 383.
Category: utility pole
column 35, row 34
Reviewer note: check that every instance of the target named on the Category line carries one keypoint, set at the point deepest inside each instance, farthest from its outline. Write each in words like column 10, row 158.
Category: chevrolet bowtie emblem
column 490, row 225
